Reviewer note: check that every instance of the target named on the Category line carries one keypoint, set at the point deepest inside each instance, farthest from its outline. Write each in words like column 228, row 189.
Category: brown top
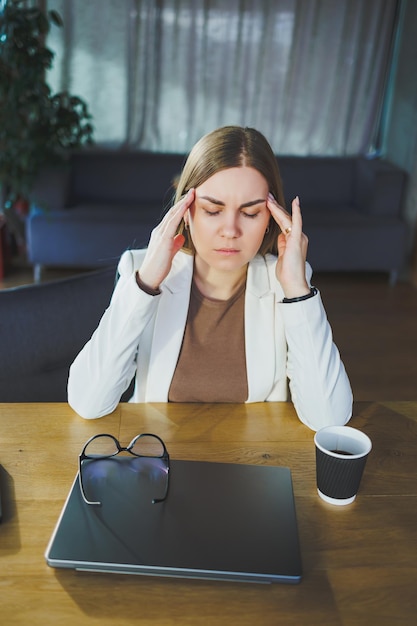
column 212, row 364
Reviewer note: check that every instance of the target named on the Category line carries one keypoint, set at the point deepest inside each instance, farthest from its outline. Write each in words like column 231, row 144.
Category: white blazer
column 141, row 335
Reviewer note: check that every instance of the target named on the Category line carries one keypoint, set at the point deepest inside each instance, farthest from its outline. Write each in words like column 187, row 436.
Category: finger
column 182, row 205
column 282, row 244
column 178, row 242
column 274, row 204
column 176, row 213
column 280, row 215
column 297, row 222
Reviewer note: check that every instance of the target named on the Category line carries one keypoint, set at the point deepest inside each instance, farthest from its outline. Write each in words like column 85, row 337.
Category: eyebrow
column 245, row 205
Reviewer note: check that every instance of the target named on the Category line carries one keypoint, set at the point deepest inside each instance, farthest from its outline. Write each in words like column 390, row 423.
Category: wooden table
column 360, row 561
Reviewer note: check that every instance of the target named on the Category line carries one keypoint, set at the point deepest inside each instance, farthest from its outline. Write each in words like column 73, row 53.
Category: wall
column 401, row 139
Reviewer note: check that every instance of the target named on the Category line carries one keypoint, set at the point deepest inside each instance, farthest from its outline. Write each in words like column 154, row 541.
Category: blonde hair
column 226, row 147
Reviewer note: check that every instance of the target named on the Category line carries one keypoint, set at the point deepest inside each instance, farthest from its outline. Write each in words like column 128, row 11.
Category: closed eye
column 250, row 215
column 211, row 212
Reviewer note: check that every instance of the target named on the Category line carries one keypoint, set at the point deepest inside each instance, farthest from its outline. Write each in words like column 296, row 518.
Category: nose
column 230, row 228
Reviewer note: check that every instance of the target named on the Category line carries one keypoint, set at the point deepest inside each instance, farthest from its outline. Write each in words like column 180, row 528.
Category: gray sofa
column 105, row 201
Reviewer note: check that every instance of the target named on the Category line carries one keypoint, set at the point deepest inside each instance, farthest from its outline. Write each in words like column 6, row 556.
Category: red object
column 21, row 206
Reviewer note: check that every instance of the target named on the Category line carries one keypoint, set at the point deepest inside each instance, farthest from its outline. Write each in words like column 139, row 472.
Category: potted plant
column 37, row 127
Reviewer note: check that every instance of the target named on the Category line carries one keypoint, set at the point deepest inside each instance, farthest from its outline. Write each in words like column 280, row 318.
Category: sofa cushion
column 51, row 188
column 352, row 241
column 119, row 177
column 379, row 187
column 324, row 182
column 86, row 237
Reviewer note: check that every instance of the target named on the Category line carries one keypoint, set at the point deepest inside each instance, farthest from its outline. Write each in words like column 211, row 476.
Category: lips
column 227, row 251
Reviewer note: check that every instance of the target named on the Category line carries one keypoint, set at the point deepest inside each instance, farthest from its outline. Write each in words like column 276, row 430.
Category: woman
column 219, row 307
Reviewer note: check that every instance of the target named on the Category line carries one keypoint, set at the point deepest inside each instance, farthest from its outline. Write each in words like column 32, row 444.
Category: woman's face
column 228, row 218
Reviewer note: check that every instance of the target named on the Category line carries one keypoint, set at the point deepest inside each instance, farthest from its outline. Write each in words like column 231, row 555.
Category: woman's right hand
column 164, row 244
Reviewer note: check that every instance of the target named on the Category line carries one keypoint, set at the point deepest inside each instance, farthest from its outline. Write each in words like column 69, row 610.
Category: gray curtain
column 158, row 74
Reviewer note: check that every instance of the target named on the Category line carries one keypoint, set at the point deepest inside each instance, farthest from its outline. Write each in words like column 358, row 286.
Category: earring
column 185, row 225
column 267, row 230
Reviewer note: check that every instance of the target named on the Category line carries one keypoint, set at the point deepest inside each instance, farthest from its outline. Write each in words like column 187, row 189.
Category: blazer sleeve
column 104, row 368
column 319, row 386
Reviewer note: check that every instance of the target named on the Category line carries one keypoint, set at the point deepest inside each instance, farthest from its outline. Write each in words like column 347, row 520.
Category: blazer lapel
column 259, row 329
column 169, row 327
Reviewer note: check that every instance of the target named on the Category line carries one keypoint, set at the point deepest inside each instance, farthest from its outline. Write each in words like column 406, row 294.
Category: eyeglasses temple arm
column 80, row 480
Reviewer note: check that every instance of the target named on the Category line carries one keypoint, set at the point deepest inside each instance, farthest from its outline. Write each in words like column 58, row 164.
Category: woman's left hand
column 292, row 248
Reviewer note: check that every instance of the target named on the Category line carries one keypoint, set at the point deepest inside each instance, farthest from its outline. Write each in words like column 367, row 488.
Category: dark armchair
column 42, row 328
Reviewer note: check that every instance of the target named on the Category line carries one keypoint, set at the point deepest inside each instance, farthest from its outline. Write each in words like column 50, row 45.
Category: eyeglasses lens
column 101, row 447
column 147, row 445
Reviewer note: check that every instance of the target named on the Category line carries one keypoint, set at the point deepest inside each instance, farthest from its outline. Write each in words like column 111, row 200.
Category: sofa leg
column 393, row 277
column 37, row 272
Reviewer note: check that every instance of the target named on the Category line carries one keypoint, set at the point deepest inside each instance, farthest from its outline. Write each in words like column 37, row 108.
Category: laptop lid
column 220, row 521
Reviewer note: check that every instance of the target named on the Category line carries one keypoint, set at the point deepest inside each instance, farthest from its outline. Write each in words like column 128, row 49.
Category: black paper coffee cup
column 341, row 454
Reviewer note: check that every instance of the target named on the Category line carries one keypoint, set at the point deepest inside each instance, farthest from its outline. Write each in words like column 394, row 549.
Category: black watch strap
column 312, row 293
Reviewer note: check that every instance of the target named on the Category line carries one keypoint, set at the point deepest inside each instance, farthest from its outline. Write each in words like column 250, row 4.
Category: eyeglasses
column 106, row 446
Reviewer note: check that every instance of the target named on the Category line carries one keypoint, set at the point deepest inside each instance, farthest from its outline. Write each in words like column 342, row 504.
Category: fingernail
column 270, row 196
